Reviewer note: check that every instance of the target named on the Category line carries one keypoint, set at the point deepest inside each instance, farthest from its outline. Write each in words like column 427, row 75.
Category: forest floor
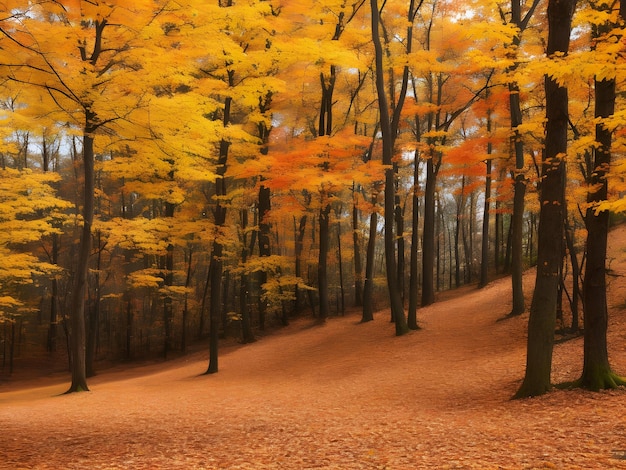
column 342, row 395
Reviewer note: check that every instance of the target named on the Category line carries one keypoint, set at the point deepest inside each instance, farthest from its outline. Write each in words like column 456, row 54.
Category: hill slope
column 342, row 395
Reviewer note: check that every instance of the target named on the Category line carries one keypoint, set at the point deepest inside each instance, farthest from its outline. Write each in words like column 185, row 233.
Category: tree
column 551, row 219
column 76, row 77
column 521, row 22
column 389, row 125
column 597, row 373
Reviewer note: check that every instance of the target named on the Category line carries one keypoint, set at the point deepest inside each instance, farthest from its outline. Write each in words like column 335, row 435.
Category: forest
column 180, row 171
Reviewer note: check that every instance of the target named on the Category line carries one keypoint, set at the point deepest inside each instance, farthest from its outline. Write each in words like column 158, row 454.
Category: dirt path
column 339, row 396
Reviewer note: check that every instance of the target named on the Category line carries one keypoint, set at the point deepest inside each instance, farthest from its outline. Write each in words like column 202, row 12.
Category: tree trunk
column 247, row 335
column 368, row 291
column 484, row 245
column 299, row 245
column 576, row 291
column 183, row 333
column 54, row 259
column 358, row 265
column 216, row 264
column 597, row 373
column 264, row 245
column 517, row 221
column 322, row 267
column 94, row 316
column 264, row 206
column 77, row 312
column 168, row 281
column 399, row 221
column 484, row 251
column 395, row 297
column 414, row 258
column 215, row 304
column 457, row 231
column 428, row 235
column 340, row 260
column 551, row 221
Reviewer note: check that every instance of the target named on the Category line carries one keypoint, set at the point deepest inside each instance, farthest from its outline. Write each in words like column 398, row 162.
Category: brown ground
column 343, row 395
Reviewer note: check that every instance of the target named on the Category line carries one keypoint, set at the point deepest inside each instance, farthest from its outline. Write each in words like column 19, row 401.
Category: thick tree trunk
column 551, row 222
column 216, row 264
column 517, row 219
column 597, row 373
column 215, row 305
column 77, row 312
column 428, row 236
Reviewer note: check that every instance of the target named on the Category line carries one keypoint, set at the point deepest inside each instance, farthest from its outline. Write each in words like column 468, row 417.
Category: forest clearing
column 341, row 395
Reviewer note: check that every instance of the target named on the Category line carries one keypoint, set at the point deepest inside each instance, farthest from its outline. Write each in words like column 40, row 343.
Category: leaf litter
column 342, row 395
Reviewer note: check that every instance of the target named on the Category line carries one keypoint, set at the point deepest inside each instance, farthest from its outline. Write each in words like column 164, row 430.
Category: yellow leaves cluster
column 27, row 207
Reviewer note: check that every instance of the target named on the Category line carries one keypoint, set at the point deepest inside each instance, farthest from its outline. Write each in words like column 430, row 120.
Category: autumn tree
column 446, row 85
column 71, row 76
column 389, row 123
column 597, row 373
column 520, row 20
column 543, row 307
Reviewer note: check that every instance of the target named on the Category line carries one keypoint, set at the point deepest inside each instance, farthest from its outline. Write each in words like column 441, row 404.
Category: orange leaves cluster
column 322, row 166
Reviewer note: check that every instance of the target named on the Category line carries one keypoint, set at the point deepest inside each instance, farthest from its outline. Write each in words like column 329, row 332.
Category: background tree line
column 173, row 170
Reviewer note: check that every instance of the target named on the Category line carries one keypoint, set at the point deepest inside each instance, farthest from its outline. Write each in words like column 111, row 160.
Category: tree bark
column 395, row 296
column 542, row 319
column 368, row 290
column 322, row 266
column 414, row 258
column 428, row 235
column 216, row 264
column 77, row 312
column 484, row 245
column 356, row 240
column 597, row 373
column 517, row 220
